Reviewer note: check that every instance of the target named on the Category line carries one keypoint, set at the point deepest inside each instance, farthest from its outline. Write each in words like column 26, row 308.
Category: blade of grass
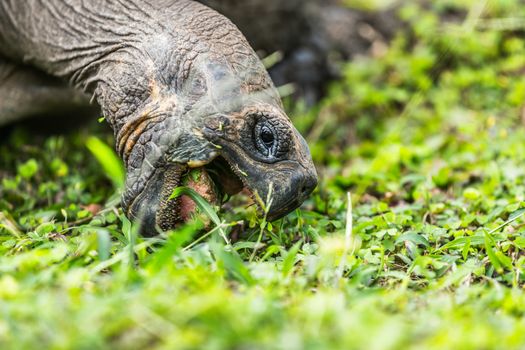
column 263, row 223
column 289, row 259
column 203, row 205
column 174, row 243
column 103, row 244
column 348, row 237
column 232, row 264
column 109, row 161
column 492, row 254
column 513, row 217
column 9, row 224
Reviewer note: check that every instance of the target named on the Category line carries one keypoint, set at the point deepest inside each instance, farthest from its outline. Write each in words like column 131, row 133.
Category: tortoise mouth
column 223, row 175
column 215, row 182
column 155, row 207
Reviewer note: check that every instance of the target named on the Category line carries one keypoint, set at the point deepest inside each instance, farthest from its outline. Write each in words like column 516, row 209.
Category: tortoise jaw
column 152, row 208
column 229, row 181
column 173, row 211
column 224, row 177
column 216, row 181
column 156, row 211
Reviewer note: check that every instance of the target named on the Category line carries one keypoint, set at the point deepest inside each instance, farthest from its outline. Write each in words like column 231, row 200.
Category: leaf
column 245, row 245
column 130, row 231
column 414, row 238
column 456, row 277
column 9, row 224
column 232, row 264
column 516, row 214
column 271, row 250
column 176, row 240
column 109, row 161
column 289, row 259
column 504, row 260
column 103, row 244
column 464, row 251
column 520, row 242
column 492, row 254
column 512, row 217
column 461, row 241
column 28, row 169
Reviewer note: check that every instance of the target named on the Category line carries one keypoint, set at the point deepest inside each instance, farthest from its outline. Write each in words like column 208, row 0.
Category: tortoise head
column 266, row 156
column 257, row 147
column 223, row 114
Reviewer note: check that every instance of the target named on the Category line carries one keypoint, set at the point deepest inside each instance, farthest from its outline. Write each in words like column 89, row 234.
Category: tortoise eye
column 267, row 136
column 272, row 137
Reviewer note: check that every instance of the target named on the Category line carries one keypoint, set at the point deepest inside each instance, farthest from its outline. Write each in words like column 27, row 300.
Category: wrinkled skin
column 179, row 85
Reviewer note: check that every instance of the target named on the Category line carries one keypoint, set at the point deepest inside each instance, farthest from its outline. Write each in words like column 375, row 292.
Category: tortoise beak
column 288, row 193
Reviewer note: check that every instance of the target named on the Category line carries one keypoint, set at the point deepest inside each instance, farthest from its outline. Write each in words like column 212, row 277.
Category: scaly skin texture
column 179, row 85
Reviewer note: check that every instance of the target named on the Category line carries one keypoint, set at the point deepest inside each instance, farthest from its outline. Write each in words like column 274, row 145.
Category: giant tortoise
column 179, row 85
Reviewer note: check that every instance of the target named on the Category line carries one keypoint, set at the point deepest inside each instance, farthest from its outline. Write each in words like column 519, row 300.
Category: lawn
column 414, row 238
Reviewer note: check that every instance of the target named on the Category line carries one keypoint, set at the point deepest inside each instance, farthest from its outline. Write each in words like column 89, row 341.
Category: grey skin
column 177, row 82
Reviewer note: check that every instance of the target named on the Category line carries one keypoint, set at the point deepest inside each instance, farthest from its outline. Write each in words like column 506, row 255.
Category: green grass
column 428, row 137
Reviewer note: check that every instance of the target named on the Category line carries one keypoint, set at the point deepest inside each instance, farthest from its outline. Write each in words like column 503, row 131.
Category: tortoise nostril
column 310, row 183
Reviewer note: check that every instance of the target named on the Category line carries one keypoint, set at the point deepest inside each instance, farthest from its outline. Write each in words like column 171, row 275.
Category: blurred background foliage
column 426, row 133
